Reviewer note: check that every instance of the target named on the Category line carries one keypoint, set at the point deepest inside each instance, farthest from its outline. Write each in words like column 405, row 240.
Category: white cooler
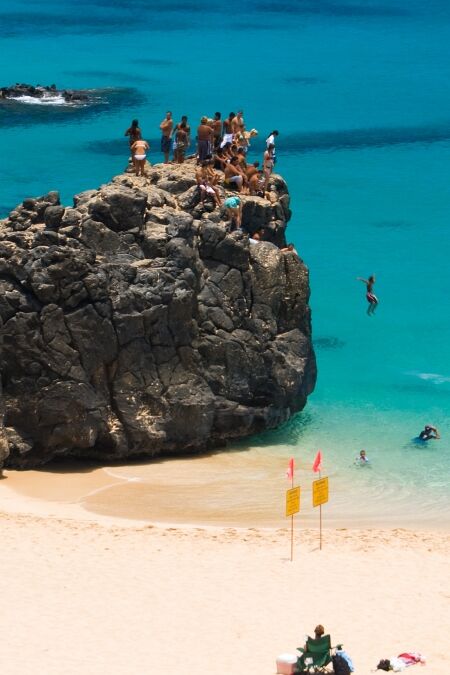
column 286, row 663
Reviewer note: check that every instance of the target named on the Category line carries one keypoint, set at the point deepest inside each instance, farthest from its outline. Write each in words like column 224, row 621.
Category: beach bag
column 340, row 665
column 384, row 664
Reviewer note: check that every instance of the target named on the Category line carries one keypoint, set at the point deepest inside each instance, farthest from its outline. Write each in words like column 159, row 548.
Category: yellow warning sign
column 320, row 491
column 292, row 501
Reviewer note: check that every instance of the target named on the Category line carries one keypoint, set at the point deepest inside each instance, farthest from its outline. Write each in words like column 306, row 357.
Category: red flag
column 290, row 471
column 317, row 466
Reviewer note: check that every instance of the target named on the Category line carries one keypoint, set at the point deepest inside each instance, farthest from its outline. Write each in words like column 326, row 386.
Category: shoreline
column 244, row 490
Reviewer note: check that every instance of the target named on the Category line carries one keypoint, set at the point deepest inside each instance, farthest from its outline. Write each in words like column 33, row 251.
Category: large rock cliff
column 135, row 324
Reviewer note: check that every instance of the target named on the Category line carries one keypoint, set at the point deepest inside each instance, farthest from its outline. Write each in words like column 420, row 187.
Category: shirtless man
column 180, row 143
column 252, row 169
column 139, row 149
column 234, row 176
column 227, row 130
column 217, row 129
column 237, row 123
column 166, row 127
column 205, row 140
column 256, row 184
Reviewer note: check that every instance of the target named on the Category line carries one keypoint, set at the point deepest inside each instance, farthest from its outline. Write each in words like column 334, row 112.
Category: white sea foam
column 46, row 99
column 434, row 378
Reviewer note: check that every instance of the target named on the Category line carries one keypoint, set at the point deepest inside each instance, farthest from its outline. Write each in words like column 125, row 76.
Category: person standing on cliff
column 205, row 140
column 134, row 134
column 270, row 140
column 217, row 130
column 370, row 296
column 166, row 127
column 227, row 130
column 139, row 150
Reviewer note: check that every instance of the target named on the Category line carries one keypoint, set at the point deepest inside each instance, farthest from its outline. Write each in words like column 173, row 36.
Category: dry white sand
column 87, row 594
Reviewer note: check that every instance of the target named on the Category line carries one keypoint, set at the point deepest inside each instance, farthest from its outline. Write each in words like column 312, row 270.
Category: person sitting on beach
column 227, row 130
column 233, row 206
column 234, row 176
column 204, row 139
column 166, row 127
column 429, row 433
column 268, row 165
column 205, row 181
column 370, row 297
column 139, row 149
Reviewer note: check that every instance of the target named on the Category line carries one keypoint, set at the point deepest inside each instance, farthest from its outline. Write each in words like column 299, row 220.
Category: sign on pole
column 292, row 506
column 292, row 501
column 320, row 491
column 320, row 496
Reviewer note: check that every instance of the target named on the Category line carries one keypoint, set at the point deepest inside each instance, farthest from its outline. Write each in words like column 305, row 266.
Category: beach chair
column 316, row 655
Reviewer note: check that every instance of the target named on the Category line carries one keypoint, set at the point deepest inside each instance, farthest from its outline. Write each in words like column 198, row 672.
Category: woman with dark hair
column 134, row 134
column 370, row 296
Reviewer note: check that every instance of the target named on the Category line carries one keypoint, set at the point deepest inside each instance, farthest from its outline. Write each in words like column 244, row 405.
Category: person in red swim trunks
column 370, row 296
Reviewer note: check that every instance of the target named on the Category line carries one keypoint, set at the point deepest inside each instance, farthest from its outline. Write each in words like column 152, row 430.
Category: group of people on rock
column 221, row 145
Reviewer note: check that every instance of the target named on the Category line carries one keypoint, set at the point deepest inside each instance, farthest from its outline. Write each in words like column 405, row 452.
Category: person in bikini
column 139, row 150
column 206, row 180
column 370, row 296
column 134, row 134
column 180, row 143
column 268, row 165
column 166, row 127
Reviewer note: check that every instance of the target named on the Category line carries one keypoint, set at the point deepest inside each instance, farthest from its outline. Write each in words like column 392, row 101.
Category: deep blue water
column 359, row 92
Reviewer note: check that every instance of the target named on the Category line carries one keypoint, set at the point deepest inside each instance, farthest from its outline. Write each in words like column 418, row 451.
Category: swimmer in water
column 429, row 433
column 362, row 458
column 370, row 297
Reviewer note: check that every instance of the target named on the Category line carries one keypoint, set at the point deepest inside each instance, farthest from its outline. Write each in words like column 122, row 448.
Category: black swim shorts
column 165, row 144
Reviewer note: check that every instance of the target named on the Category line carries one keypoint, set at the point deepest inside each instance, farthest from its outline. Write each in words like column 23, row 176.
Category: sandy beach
column 84, row 592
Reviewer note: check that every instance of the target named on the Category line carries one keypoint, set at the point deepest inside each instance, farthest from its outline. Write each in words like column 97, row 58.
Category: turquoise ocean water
column 359, row 92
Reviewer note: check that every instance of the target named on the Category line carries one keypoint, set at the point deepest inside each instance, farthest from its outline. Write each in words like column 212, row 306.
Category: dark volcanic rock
column 134, row 324
column 17, row 90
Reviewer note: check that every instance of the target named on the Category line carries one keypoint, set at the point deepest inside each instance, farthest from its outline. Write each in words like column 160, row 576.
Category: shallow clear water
column 359, row 93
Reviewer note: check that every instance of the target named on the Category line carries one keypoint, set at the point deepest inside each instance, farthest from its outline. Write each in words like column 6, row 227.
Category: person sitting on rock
column 234, row 175
column 233, row 206
column 205, row 182
column 139, row 149
column 256, row 184
column 252, row 169
column 219, row 160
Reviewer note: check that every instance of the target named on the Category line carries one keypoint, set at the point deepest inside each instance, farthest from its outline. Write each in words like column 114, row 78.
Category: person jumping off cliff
column 370, row 297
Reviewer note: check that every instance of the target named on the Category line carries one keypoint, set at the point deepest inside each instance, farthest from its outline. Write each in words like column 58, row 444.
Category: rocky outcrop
column 40, row 92
column 135, row 324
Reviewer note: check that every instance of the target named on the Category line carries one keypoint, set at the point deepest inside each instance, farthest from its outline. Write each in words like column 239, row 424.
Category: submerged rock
column 16, row 91
column 134, row 324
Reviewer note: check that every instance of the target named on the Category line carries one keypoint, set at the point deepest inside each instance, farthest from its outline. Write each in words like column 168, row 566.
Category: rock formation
column 69, row 95
column 135, row 324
